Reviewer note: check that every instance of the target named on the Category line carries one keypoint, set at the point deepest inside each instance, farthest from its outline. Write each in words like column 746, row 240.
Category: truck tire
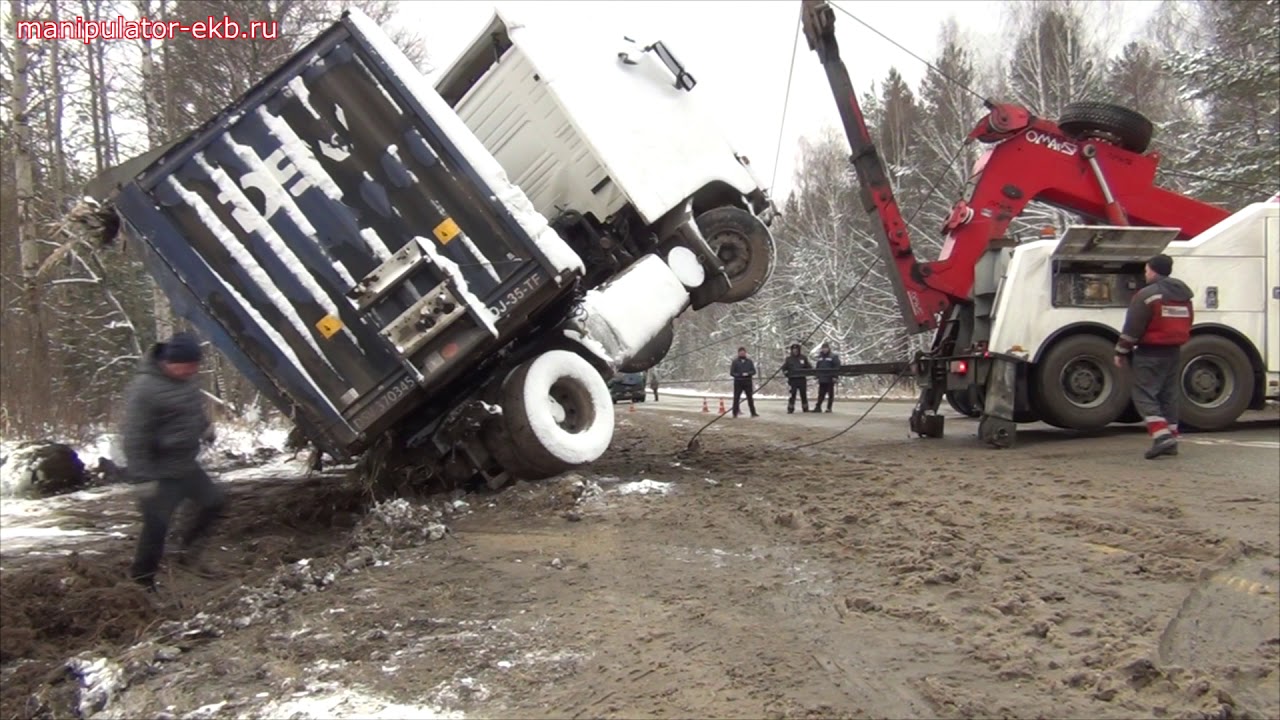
column 961, row 402
column 652, row 353
column 1127, row 128
column 1078, row 386
column 745, row 247
column 557, row 413
column 1215, row 383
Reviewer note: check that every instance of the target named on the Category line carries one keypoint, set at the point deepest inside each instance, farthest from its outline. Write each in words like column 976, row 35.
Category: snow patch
column 100, row 681
column 533, row 223
column 645, row 487
column 351, row 703
column 542, row 410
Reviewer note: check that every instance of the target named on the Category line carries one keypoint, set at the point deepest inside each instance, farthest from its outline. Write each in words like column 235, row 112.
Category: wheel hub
column 1206, row 382
column 1084, row 383
column 733, row 250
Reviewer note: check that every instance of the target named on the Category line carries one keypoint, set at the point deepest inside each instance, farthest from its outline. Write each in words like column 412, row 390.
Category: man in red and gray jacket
column 1156, row 327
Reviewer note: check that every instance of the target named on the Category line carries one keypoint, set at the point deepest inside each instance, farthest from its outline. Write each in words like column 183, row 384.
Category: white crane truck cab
column 1060, row 305
column 607, row 138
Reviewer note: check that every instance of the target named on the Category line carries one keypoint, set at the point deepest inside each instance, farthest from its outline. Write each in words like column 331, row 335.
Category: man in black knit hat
column 1156, row 326
column 164, row 424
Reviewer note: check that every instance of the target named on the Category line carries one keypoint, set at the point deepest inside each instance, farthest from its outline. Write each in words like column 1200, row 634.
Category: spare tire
column 1127, row 128
column 557, row 413
column 744, row 245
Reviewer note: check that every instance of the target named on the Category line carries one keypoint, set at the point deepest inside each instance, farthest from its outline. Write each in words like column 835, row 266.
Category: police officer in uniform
column 830, row 362
column 799, row 383
column 1156, row 326
column 743, row 371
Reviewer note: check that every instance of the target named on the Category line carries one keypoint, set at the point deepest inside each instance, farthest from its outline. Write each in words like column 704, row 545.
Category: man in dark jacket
column 799, row 383
column 164, row 424
column 1156, row 326
column 743, row 371
column 827, row 361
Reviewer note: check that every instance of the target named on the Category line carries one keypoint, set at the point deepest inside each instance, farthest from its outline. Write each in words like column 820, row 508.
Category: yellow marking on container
column 447, row 231
column 328, row 326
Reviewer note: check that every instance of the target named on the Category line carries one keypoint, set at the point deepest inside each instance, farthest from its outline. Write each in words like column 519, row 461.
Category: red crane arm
column 1030, row 159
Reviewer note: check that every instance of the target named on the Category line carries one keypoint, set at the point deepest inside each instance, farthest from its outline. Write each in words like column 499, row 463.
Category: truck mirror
column 684, row 81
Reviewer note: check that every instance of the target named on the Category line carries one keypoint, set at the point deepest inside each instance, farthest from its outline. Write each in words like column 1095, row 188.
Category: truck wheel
column 558, row 413
column 652, row 353
column 1078, row 385
column 961, row 403
column 1216, row 383
column 745, row 246
column 1128, row 129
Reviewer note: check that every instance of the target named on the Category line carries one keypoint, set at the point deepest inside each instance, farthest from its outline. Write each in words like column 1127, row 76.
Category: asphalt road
column 1255, row 440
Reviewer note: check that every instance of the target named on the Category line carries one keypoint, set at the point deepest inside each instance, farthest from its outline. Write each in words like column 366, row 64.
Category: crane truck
column 1024, row 332
column 393, row 279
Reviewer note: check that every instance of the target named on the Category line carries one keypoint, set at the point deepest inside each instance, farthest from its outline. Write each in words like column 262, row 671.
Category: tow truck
column 1024, row 332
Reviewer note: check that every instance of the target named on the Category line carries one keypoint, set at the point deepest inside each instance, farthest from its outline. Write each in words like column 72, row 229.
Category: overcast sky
column 740, row 52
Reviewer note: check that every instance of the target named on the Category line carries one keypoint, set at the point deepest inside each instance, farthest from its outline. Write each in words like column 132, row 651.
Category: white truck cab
column 607, row 138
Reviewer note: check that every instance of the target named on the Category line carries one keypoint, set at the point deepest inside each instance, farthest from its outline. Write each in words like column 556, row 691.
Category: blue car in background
column 628, row 386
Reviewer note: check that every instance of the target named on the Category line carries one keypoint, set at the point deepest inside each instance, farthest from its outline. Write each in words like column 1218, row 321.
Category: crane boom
column 1030, row 159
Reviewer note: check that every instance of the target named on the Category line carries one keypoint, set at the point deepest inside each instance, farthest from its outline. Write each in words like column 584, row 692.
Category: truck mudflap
column 341, row 236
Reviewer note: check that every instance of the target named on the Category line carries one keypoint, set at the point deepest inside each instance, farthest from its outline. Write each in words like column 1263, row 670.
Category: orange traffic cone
column 704, row 406
column 631, row 408
column 722, row 410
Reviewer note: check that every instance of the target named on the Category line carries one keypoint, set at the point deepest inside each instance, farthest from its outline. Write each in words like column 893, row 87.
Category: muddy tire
column 1127, row 128
column 652, row 353
column 745, row 247
column 557, row 413
column 1078, row 386
column 1215, row 383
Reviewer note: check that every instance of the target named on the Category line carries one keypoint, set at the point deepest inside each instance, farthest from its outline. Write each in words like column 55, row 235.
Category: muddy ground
column 869, row 576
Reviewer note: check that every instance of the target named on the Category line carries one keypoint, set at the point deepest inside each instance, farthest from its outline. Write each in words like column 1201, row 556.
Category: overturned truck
column 455, row 270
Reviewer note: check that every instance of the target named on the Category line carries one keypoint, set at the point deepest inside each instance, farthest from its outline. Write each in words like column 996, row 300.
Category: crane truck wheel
column 1078, row 386
column 745, row 247
column 1215, row 383
column 652, row 353
column 1128, row 129
column 962, row 402
column 557, row 413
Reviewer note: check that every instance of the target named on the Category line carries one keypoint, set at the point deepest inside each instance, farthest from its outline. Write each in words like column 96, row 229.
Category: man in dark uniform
column 164, row 424
column 743, row 371
column 829, row 362
column 799, row 383
column 1156, row 326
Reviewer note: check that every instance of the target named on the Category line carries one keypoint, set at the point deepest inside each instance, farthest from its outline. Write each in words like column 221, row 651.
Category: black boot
column 1167, row 445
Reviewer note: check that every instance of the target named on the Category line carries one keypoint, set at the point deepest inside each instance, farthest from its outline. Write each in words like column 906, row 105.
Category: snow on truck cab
column 392, row 278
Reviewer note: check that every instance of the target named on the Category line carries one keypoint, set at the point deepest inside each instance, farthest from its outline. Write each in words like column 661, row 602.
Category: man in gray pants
column 164, row 424
column 1156, row 326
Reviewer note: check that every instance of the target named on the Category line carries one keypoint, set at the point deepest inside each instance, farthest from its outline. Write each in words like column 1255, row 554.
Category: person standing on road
column 164, row 425
column 1156, row 326
column 799, row 383
column 653, row 383
column 743, row 371
column 827, row 363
